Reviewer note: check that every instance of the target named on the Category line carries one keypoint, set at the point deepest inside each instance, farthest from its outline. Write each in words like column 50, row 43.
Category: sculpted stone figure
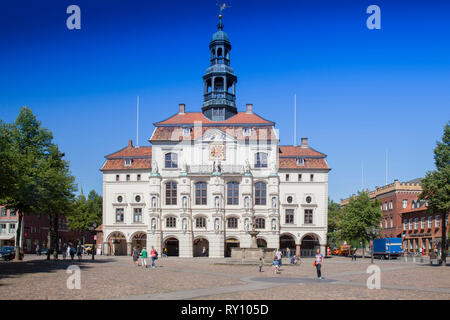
column 154, row 166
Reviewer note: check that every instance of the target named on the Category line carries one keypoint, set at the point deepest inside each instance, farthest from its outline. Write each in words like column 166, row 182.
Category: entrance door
column 172, row 246
column 231, row 243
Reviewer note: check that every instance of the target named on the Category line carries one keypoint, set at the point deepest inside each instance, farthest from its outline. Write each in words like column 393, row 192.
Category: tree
column 335, row 215
column 56, row 187
column 8, row 172
column 85, row 212
column 358, row 215
column 26, row 143
column 436, row 186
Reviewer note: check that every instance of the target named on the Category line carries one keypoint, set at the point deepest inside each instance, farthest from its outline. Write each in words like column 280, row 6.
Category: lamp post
column 92, row 229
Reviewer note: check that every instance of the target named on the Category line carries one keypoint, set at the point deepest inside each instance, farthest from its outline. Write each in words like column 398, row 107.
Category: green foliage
column 335, row 214
column 436, row 184
column 360, row 214
column 85, row 212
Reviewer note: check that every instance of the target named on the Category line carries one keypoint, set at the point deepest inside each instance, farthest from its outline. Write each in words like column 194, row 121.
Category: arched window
column 232, row 223
column 171, row 160
column 171, row 222
column 200, row 193
column 260, row 223
column 200, row 222
column 171, row 193
column 261, row 160
column 233, row 193
column 260, row 193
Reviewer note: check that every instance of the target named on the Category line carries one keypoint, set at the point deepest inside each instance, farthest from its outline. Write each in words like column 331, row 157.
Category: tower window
column 200, row 193
column 261, row 160
column 260, row 193
column 171, row 160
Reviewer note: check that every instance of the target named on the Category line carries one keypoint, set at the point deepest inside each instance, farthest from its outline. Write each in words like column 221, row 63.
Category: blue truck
column 387, row 247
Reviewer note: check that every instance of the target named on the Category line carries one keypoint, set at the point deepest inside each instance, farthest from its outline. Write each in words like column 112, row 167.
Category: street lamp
column 92, row 229
column 372, row 233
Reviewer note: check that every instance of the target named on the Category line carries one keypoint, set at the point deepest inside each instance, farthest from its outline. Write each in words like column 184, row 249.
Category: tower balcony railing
column 208, row 169
column 220, row 61
column 220, row 95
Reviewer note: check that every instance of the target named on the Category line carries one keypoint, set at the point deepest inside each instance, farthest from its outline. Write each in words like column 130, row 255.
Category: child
column 276, row 264
column 260, row 264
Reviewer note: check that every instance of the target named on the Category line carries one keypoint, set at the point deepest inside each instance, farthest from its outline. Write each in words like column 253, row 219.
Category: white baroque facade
column 208, row 177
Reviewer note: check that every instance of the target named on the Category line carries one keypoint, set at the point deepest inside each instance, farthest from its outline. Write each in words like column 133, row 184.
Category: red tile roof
column 192, row 117
column 291, row 163
column 141, row 158
column 298, row 151
column 119, row 164
column 130, row 152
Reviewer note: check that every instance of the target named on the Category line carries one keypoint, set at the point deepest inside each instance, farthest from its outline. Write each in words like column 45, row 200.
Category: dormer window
column 187, row 132
column 247, row 132
column 300, row 162
column 128, row 162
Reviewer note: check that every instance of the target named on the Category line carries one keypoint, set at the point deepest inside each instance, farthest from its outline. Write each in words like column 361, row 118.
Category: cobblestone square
column 204, row 278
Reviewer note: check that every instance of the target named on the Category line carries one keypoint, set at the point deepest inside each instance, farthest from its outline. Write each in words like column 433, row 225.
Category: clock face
column 217, row 152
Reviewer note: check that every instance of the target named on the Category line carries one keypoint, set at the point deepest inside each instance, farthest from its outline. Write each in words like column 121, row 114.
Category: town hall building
column 212, row 175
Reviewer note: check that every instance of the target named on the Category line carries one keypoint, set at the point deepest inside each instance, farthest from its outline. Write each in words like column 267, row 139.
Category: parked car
column 8, row 253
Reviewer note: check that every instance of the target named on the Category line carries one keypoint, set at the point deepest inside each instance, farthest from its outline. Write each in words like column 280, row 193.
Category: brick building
column 405, row 216
column 35, row 231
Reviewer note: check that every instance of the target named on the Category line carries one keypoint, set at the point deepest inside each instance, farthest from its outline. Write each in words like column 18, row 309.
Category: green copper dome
column 220, row 35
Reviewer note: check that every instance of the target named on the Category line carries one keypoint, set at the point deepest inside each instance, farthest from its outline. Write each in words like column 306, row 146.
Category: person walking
column 72, row 252
column 354, row 254
column 164, row 253
column 154, row 256
column 204, row 252
column 318, row 261
column 38, row 252
column 79, row 251
column 288, row 252
column 276, row 267
column 143, row 255
column 260, row 264
column 64, row 251
column 135, row 256
column 279, row 256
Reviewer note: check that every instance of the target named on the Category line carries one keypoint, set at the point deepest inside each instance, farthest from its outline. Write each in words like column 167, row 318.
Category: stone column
column 297, row 249
column 106, row 250
column 323, row 249
column 129, row 248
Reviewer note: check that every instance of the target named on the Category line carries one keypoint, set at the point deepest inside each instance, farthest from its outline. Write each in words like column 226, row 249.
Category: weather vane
column 222, row 6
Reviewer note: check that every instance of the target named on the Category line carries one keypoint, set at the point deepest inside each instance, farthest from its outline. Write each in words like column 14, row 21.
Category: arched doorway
column 172, row 246
column 310, row 243
column 199, row 244
column 231, row 243
column 287, row 241
column 139, row 240
column 118, row 243
column 261, row 243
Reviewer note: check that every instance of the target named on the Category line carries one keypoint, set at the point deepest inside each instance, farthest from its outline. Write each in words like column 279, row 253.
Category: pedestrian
column 154, row 255
column 260, row 264
column 79, row 251
column 143, row 255
column 278, row 254
column 72, row 252
column 354, row 254
column 64, row 251
column 164, row 253
column 318, row 261
column 38, row 252
column 288, row 253
column 135, row 256
column 204, row 252
column 276, row 264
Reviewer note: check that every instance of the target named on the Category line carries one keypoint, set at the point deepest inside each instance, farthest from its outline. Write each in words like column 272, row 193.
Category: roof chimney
column 130, row 143
column 304, row 142
column 249, row 108
column 182, row 108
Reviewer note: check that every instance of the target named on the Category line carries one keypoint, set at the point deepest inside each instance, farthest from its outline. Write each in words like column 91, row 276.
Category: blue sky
column 359, row 91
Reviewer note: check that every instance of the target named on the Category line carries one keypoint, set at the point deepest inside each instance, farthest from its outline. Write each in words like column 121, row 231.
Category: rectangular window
column 137, row 216
column 171, row 193
column 308, row 216
column 437, row 221
column 233, row 193
column 12, row 212
column 119, row 214
column 171, row 222
column 416, row 223
column 410, row 224
column 312, row 178
column 128, row 162
column 405, row 203
column 300, row 162
column 430, row 221
column 128, row 177
column 261, row 160
column 171, row 160
column 117, row 177
column 200, row 223
column 287, row 177
column 232, row 223
column 405, row 224
column 289, row 216
column 390, row 205
column 200, row 193
column 422, row 222
column 299, row 177
column 3, row 212
column 12, row 228
column 392, row 222
column 138, row 177
column 3, row 228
